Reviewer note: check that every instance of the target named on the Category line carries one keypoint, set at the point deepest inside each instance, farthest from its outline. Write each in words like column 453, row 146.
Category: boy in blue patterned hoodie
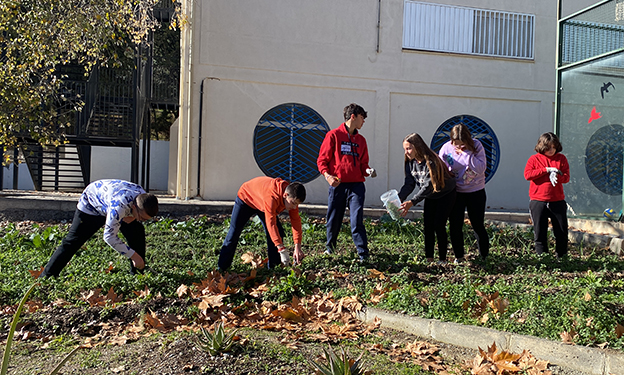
column 116, row 205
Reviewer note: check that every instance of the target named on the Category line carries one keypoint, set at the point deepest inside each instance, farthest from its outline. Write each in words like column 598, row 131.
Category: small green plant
column 284, row 288
column 342, row 365
column 216, row 342
column 7, row 349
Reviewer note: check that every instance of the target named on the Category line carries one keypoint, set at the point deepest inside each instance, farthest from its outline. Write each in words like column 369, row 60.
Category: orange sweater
column 266, row 194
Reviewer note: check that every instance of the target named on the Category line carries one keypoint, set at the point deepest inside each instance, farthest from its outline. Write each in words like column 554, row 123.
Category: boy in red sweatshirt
column 343, row 161
column 547, row 171
column 266, row 197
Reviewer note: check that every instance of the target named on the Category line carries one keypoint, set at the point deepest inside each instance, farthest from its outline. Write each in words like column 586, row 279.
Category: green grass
column 584, row 293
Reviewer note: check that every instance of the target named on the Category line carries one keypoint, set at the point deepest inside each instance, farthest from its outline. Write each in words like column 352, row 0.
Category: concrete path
column 41, row 206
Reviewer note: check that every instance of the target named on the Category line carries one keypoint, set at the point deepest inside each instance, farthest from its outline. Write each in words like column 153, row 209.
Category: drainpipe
column 557, row 72
column 199, row 131
column 201, row 118
column 378, row 23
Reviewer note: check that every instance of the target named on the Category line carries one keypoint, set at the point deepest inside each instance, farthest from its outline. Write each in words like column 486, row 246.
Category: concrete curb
column 579, row 358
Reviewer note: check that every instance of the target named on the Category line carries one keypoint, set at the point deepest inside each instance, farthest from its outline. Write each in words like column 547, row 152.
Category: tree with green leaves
column 38, row 38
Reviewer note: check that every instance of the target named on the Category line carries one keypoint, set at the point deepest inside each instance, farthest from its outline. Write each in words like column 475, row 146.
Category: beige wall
column 255, row 54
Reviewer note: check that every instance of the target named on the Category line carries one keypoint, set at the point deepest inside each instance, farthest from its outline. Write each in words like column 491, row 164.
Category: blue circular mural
column 287, row 140
column 603, row 159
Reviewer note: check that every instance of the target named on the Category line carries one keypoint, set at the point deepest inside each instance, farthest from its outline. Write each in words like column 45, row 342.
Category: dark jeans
column 84, row 227
column 435, row 214
column 475, row 204
column 353, row 194
column 557, row 212
column 241, row 213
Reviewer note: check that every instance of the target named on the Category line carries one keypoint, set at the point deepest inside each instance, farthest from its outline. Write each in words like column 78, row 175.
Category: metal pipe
column 16, row 168
column 199, row 136
column 2, row 168
column 378, row 23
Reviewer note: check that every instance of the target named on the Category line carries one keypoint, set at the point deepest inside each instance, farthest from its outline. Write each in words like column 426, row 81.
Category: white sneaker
column 458, row 260
column 441, row 263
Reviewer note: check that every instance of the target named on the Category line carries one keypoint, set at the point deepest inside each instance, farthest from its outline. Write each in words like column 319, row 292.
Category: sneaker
column 458, row 260
column 363, row 258
column 328, row 251
column 441, row 263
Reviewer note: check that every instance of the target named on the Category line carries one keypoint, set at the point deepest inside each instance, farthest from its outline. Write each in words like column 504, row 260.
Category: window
column 444, row 28
column 287, row 140
column 480, row 131
column 583, row 40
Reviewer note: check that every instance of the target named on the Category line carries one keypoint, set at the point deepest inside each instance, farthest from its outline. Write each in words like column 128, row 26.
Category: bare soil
column 259, row 352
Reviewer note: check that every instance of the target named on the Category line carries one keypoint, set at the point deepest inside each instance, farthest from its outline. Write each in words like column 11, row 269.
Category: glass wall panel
column 591, row 129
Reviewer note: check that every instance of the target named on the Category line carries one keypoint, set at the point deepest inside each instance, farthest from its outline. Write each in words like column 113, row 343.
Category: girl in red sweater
column 547, row 171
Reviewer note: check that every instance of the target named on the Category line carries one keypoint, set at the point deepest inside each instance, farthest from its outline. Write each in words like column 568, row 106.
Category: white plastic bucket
column 392, row 203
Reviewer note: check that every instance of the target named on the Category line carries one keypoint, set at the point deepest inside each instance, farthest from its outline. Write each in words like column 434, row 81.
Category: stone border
column 593, row 361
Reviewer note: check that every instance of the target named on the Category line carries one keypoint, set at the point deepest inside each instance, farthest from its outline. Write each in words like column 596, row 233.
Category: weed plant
column 583, row 294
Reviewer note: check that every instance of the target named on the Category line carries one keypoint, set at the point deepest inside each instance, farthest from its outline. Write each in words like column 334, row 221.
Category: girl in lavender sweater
column 465, row 157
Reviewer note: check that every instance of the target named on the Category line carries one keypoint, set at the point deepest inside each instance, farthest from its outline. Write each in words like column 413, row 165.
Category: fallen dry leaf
column 619, row 330
column 568, row 337
column 35, row 273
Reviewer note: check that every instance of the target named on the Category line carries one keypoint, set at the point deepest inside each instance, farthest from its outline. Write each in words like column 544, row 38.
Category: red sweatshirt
column 344, row 155
column 540, row 188
column 267, row 195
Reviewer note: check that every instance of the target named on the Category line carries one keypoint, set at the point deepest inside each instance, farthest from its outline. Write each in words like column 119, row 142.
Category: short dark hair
column 546, row 141
column 353, row 109
column 148, row 203
column 296, row 190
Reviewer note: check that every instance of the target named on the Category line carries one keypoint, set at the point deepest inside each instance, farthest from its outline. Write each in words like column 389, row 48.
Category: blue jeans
column 353, row 194
column 83, row 227
column 241, row 213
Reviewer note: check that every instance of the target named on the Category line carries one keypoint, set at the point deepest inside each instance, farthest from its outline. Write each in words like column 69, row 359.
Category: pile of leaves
column 505, row 363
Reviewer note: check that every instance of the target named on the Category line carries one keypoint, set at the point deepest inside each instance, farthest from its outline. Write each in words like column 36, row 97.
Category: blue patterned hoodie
column 113, row 199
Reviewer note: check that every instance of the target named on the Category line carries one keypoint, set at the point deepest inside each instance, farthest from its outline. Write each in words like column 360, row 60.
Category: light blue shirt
column 113, row 199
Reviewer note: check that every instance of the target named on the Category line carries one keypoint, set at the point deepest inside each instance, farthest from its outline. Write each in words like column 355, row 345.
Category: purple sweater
column 468, row 167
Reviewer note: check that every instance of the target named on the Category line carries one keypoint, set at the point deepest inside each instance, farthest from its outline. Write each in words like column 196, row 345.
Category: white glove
column 553, row 169
column 285, row 257
column 371, row 172
column 553, row 177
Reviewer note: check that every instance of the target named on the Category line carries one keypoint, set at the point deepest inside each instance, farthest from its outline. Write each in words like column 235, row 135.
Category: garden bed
column 578, row 300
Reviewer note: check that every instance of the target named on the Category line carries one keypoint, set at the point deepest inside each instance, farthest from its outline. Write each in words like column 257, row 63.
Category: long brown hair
column 437, row 168
column 546, row 141
column 461, row 133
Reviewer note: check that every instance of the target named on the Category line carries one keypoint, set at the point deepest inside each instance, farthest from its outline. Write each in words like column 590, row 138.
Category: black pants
column 557, row 212
column 474, row 203
column 435, row 215
column 83, row 227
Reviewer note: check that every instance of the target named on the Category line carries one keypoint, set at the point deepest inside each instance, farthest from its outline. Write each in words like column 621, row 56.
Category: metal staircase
column 115, row 112
column 61, row 168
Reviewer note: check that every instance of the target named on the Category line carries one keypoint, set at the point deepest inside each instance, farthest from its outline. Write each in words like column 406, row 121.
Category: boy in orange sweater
column 266, row 197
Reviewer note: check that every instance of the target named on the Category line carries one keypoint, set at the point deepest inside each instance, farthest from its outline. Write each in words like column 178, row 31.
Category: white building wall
column 108, row 162
column 114, row 162
column 24, row 181
column 254, row 55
